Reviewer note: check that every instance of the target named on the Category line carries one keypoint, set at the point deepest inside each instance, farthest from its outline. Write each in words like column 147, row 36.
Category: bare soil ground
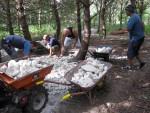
column 124, row 91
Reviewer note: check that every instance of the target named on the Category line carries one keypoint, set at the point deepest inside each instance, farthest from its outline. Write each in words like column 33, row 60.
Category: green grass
column 147, row 29
column 37, row 32
column 114, row 27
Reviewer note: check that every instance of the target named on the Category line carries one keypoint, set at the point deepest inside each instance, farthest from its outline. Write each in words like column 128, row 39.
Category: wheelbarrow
column 86, row 90
column 27, row 92
column 95, row 54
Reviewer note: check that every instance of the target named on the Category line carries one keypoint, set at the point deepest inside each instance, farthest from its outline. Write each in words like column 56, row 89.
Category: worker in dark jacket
column 52, row 44
column 13, row 42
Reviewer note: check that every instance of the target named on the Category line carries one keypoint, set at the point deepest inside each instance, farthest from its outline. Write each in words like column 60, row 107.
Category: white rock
column 3, row 68
column 89, row 68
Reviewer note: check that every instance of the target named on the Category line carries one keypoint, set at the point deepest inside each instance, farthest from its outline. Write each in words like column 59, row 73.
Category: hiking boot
column 127, row 68
column 142, row 65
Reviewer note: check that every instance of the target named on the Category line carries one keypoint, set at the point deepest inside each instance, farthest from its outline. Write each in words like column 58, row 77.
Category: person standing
column 135, row 28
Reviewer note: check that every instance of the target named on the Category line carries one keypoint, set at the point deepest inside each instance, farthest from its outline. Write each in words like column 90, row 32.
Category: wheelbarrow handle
column 90, row 53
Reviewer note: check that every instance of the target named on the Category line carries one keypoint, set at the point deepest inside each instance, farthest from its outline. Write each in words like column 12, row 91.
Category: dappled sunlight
column 125, row 104
column 118, row 77
column 117, row 57
column 110, row 107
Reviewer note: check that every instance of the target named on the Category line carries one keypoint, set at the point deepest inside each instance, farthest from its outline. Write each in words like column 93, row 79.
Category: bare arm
column 122, row 31
column 50, row 51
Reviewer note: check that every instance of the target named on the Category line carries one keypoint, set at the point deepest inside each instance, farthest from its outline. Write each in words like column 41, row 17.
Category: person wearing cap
column 52, row 44
column 135, row 28
column 12, row 43
column 69, row 40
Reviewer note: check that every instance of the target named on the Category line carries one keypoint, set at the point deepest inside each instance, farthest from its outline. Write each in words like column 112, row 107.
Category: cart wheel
column 37, row 100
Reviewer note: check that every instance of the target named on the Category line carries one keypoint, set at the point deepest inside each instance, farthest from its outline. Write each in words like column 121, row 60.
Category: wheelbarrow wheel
column 37, row 100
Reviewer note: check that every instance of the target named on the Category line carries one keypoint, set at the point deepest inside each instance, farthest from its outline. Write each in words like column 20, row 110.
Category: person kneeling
column 52, row 44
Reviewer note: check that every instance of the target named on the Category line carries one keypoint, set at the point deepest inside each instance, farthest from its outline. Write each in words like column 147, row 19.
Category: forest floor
column 124, row 91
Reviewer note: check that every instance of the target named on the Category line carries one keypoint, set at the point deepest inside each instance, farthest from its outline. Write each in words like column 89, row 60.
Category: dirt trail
column 124, row 91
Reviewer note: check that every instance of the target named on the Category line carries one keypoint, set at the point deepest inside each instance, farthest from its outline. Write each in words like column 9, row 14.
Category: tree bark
column 39, row 14
column 22, row 19
column 87, row 31
column 141, row 8
column 9, row 23
column 110, row 16
column 57, row 18
column 121, row 12
column 99, row 17
column 103, row 23
column 133, row 2
column 79, row 19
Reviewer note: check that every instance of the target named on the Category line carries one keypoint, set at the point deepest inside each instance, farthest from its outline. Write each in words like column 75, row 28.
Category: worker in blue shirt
column 52, row 44
column 135, row 28
column 11, row 42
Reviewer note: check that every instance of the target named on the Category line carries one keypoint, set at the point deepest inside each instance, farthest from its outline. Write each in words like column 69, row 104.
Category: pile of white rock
column 104, row 49
column 18, row 69
column 90, row 73
column 61, row 67
column 21, row 68
column 87, row 75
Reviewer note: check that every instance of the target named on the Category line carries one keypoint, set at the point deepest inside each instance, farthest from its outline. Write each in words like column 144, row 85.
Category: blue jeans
column 27, row 48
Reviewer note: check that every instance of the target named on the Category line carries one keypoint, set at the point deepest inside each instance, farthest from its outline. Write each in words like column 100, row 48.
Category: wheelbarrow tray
column 95, row 54
column 27, row 80
column 71, row 73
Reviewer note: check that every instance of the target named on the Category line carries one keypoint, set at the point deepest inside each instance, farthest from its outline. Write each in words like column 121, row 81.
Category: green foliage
column 39, row 32
column 147, row 29
column 3, row 31
column 114, row 27
column 34, row 30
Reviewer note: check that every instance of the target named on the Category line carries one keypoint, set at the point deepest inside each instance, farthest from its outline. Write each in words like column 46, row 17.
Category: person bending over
column 69, row 40
column 13, row 42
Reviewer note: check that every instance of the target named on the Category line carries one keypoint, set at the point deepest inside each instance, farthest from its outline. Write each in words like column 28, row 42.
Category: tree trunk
column 110, row 16
column 39, row 18
column 141, row 8
column 22, row 19
column 103, row 23
column 87, row 31
column 9, row 23
column 133, row 2
column 121, row 13
column 99, row 17
column 79, row 19
column 39, row 14
column 57, row 18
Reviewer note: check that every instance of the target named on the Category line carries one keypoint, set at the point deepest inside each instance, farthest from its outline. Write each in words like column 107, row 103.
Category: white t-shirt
column 68, row 41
